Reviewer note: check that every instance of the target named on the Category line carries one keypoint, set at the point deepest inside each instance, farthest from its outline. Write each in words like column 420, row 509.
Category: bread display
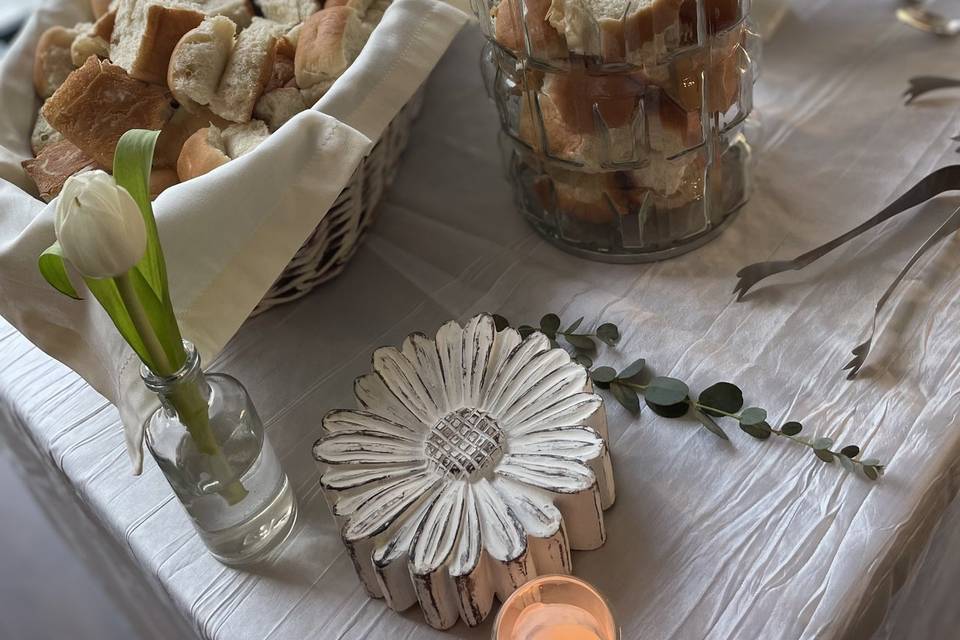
column 215, row 77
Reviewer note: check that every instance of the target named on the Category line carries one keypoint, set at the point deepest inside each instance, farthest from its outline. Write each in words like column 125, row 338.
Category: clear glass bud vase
column 210, row 443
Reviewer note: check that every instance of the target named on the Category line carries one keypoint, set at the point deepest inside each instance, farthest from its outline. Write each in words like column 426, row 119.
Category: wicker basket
column 326, row 252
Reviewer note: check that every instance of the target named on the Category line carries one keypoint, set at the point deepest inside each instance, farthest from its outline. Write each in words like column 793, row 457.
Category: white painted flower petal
column 555, row 474
column 401, row 378
column 534, row 370
column 422, row 352
column 565, row 381
column 466, row 555
column 478, row 337
column 379, row 512
column 503, row 345
column 533, row 507
column 374, row 396
column 569, row 412
column 576, row 443
column 343, row 477
column 522, row 354
column 357, row 447
column 503, row 536
column 439, row 530
column 367, row 422
column 450, row 351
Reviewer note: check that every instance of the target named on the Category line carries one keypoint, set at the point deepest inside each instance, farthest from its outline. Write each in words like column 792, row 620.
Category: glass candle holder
column 624, row 135
column 555, row 608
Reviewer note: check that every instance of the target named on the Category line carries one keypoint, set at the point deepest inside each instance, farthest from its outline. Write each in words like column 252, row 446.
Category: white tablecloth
column 747, row 540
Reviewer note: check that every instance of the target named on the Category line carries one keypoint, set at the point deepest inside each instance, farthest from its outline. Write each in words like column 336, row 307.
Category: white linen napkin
column 226, row 235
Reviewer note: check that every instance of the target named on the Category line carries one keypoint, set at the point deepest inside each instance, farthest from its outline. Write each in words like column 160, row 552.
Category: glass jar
column 210, row 444
column 623, row 134
column 555, row 606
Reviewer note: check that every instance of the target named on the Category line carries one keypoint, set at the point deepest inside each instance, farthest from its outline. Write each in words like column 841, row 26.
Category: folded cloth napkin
column 226, row 235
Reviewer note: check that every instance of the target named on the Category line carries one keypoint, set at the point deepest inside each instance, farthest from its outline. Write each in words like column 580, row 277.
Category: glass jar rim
column 156, row 382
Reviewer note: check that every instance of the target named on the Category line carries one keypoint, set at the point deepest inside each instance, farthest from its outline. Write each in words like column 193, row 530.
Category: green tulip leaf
column 54, row 270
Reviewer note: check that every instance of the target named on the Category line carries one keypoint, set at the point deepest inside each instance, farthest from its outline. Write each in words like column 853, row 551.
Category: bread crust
column 52, row 62
column 199, row 156
column 235, row 80
column 183, row 73
column 99, row 102
column 54, row 164
column 163, row 27
column 545, row 41
column 100, row 7
column 161, row 180
column 326, row 46
column 183, row 124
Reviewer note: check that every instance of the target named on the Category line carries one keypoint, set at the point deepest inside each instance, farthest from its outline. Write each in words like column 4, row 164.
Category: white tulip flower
column 99, row 226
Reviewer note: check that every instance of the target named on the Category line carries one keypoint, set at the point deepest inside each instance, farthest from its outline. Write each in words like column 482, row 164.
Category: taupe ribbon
column 938, row 182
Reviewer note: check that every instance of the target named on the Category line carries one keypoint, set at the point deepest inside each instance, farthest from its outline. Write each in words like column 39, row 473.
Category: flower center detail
column 464, row 442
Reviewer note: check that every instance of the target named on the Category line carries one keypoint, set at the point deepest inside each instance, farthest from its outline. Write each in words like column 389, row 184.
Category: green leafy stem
column 671, row 398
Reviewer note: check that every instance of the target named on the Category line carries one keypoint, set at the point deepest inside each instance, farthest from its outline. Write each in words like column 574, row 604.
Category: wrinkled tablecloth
column 707, row 540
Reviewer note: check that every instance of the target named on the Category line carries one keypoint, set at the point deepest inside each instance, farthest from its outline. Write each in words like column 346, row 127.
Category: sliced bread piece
column 360, row 6
column 241, row 139
column 94, row 40
column 278, row 106
column 519, row 24
column 183, row 124
column 312, row 95
column 198, row 61
column 247, row 71
column 288, row 12
column 52, row 62
column 241, row 12
column 54, row 164
column 330, row 41
column 101, row 7
column 283, row 73
column 99, row 102
column 145, row 34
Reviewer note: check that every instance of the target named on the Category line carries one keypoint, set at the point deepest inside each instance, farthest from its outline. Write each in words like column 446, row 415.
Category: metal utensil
column 915, row 14
column 940, row 181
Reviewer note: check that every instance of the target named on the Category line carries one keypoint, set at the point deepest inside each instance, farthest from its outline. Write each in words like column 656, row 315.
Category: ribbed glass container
column 624, row 134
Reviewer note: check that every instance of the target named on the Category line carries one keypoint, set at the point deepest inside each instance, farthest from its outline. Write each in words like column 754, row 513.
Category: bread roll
column 210, row 148
column 161, row 180
column 360, row 6
column 247, row 71
column 282, row 74
column 99, row 102
column 101, row 7
column 330, row 41
column 199, row 60
column 289, row 12
column 145, row 34
column 183, row 124
column 52, row 62
column 312, row 95
column 278, row 106
column 240, row 12
column 511, row 28
column 43, row 135
column 54, row 164
column 93, row 41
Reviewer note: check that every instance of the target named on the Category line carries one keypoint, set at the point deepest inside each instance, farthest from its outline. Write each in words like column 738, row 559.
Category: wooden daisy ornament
column 476, row 462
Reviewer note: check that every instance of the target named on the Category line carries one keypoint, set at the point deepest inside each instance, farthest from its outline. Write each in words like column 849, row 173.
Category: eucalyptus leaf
column 581, row 342
column 666, row 392
column 669, row 411
column 710, row 424
column 626, row 397
column 823, row 454
column 576, row 325
column 871, row 472
column 583, row 360
column 752, row 416
column 54, row 270
column 759, row 430
column 550, row 324
column 603, row 375
column 724, row 396
column 500, row 322
column 870, row 462
column 822, row 443
column 850, row 451
column 525, row 330
column 791, row 428
column 847, row 463
column 609, row 333
column 634, row 370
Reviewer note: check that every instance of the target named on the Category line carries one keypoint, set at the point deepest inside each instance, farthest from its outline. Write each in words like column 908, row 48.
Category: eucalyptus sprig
column 671, row 398
column 584, row 342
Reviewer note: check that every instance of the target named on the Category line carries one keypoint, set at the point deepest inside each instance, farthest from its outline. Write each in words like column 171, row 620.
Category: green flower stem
column 189, row 400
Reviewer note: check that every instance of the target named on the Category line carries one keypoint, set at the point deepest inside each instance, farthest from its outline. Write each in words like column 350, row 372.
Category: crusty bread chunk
column 282, row 74
column 312, row 95
column 198, row 61
column 99, row 102
column 183, row 124
column 100, row 7
column 94, row 40
column 289, row 12
column 161, row 180
column 278, row 106
column 516, row 22
column 52, row 62
column 145, row 34
column 212, row 147
column 247, row 71
column 329, row 42
column 239, row 11
column 43, row 134
column 360, row 6
column 54, row 164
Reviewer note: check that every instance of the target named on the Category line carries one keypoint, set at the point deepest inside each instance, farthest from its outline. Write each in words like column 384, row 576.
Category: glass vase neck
column 189, row 374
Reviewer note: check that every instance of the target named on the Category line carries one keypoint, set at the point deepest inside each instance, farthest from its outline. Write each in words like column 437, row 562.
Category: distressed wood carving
column 475, row 462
